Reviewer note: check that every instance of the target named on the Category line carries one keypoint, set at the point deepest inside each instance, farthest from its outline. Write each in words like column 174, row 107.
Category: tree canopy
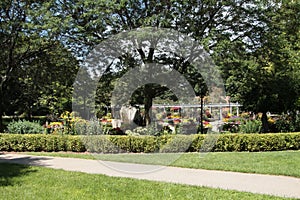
column 267, row 78
column 34, row 63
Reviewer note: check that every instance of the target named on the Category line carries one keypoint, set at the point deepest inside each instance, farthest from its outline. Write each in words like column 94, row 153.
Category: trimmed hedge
column 40, row 142
column 150, row 144
column 258, row 142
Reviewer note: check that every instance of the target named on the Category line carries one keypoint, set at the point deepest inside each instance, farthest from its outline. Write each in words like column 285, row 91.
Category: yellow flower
column 271, row 120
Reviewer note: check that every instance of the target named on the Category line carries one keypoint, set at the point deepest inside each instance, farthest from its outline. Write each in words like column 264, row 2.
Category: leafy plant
column 24, row 127
column 91, row 127
column 284, row 123
column 251, row 126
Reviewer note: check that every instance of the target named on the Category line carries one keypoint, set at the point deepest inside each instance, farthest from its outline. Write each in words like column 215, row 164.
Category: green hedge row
column 148, row 144
column 258, row 142
column 40, row 142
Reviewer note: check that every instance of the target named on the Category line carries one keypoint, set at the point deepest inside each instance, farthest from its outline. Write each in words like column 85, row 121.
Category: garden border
column 148, row 144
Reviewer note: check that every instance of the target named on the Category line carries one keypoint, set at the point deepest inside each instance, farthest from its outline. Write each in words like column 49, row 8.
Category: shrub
column 177, row 143
column 258, row 142
column 84, row 127
column 251, row 126
column 99, row 144
column 23, row 126
column 284, row 123
column 40, row 142
column 150, row 144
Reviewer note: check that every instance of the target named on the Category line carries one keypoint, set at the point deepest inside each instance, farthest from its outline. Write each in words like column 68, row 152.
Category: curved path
column 256, row 183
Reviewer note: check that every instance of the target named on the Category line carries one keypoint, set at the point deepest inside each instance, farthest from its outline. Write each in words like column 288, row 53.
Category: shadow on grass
column 10, row 168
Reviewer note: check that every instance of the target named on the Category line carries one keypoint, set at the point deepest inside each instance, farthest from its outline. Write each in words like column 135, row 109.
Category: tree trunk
column 1, row 122
column 147, row 104
column 265, row 125
column 1, row 108
column 201, row 116
column 148, row 91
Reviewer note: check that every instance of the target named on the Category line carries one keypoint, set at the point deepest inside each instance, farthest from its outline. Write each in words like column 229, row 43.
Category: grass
column 275, row 163
column 29, row 182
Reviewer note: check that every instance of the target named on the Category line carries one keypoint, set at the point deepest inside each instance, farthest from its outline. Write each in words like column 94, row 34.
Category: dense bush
column 284, row 123
column 150, row 144
column 251, row 126
column 40, row 142
column 23, row 126
column 258, row 142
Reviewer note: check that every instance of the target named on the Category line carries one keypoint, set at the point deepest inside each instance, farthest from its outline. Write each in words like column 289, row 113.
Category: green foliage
column 286, row 123
column 40, row 142
column 251, row 126
column 267, row 79
column 36, row 69
column 256, row 46
column 177, row 143
column 82, row 127
column 230, row 127
column 258, row 142
column 24, row 127
column 209, row 22
column 150, row 144
column 100, row 144
column 297, row 122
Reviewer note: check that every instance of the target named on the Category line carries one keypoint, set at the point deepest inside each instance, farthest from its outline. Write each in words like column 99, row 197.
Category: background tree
column 32, row 51
column 266, row 78
column 210, row 22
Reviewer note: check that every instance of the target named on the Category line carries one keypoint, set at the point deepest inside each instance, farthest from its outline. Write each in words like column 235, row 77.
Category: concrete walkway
column 262, row 184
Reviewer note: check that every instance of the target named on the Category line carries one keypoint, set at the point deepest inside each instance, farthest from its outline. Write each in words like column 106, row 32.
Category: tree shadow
column 10, row 168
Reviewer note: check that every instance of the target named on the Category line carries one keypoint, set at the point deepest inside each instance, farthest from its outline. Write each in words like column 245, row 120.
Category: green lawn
column 276, row 163
column 28, row 182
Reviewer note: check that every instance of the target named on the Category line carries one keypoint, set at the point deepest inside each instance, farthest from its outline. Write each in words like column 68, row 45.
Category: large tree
column 33, row 56
column 266, row 78
column 210, row 22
